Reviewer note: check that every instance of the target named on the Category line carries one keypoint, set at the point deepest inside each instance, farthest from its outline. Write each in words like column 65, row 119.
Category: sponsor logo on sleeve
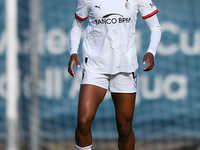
column 152, row 4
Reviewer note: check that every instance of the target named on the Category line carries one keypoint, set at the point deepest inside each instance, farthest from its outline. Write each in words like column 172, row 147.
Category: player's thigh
column 89, row 99
column 124, row 106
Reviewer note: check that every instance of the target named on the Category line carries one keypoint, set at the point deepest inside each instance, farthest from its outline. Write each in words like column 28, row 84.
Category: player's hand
column 149, row 58
column 73, row 59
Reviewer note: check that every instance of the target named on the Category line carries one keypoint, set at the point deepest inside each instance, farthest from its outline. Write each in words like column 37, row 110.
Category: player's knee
column 84, row 125
column 125, row 129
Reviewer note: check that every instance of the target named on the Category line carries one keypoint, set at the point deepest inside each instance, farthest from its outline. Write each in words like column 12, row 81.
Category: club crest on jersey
column 127, row 5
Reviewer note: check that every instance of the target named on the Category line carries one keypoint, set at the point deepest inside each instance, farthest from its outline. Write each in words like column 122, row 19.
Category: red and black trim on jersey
column 82, row 19
column 151, row 14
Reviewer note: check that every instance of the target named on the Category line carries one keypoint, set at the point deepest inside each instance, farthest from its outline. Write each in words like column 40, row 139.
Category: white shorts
column 117, row 83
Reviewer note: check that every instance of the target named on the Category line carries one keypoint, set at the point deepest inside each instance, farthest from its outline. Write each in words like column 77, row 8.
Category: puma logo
column 98, row 6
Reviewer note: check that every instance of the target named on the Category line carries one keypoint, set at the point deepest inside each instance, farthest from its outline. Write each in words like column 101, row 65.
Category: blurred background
column 38, row 98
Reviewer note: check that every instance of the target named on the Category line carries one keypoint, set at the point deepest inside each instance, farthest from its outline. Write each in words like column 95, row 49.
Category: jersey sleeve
column 147, row 8
column 82, row 10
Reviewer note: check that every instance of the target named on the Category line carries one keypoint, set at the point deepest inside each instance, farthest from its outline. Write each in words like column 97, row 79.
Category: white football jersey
column 109, row 45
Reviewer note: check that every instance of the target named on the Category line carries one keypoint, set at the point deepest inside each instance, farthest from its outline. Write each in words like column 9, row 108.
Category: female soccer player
column 109, row 61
